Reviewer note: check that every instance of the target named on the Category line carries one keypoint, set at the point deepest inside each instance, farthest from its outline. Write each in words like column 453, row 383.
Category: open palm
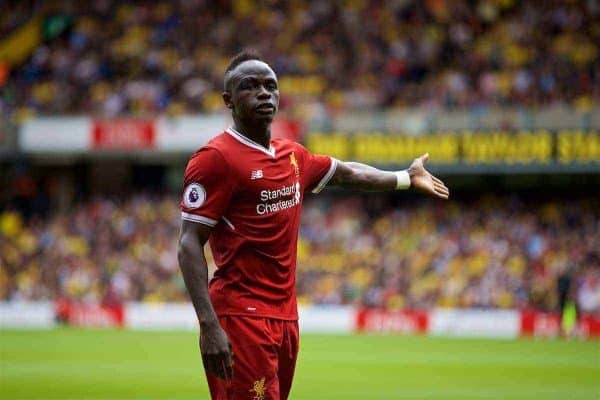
column 422, row 180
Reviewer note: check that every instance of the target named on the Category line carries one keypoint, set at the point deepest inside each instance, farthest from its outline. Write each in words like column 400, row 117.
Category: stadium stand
column 497, row 252
column 102, row 103
column 384, row 82
column 138, row 58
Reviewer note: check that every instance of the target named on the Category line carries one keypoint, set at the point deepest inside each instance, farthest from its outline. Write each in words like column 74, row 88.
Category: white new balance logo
column 256, row 174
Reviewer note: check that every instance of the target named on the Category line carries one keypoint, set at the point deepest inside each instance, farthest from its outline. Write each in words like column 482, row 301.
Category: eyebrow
column 255, row 79
column 247, row 78
column 244, row 80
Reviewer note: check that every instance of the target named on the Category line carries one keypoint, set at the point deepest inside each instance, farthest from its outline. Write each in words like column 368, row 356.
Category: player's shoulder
column 287, row 146
column 283, row 143
column 221, row 141
column 212, row 152
column 216, row 145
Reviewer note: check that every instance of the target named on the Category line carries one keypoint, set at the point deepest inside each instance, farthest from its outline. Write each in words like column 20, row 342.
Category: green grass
column 97, row 364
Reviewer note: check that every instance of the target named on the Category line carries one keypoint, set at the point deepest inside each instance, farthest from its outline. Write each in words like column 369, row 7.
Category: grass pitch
column 108, row 364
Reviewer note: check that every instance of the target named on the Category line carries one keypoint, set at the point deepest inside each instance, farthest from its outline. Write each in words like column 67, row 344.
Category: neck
column 258, row 132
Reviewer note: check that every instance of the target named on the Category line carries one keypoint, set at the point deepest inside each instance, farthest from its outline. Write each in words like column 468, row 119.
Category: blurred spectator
column 496, row 252
column 146, row 57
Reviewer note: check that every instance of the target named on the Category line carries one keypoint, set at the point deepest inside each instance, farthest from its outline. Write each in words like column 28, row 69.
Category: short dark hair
column 244, row 56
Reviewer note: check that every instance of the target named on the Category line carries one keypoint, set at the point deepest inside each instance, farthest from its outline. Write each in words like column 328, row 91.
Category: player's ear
column 227, row 100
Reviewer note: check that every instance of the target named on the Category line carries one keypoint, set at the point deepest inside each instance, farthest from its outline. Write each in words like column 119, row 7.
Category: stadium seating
column 121, row 57
column 493, row 253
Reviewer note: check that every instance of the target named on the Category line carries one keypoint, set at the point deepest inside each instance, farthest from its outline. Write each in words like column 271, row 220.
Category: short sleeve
column 207, row 187
column 318, row 170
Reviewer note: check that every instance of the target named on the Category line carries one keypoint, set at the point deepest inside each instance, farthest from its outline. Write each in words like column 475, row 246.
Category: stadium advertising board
column 589, row 326
column 326, row 319
column 123, row 134
column 82, row 135
column 462, row 152
column 55, row 135
column 400, row 321
column 540, row 324
column 515, row 151
column 26, row 314
column 491, row 323
column 168, row 316
column 544, row 324
column 87, row 314
column 495, row 323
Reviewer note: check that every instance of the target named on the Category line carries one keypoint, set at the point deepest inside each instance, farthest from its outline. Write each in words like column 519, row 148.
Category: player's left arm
column 354, row 175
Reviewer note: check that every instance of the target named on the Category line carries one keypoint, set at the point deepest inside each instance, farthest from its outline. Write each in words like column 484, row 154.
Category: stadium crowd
column 496, row 252
column 140, row 58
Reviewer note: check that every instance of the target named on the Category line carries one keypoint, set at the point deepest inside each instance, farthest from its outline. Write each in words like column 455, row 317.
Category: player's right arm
column 214, row 344
column 359, row 176
column 208, row 187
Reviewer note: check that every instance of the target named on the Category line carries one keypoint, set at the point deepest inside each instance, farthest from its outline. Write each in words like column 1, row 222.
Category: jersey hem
column 255, row 315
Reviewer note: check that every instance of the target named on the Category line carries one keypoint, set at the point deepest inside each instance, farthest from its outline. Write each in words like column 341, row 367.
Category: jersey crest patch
column 259, row 389
column 294, row 163
column 194, row 195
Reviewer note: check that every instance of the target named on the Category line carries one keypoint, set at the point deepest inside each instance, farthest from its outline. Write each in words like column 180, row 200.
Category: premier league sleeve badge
column 194, row 195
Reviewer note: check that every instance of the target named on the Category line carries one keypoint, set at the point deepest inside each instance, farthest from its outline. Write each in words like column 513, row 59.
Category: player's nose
column 263, row 93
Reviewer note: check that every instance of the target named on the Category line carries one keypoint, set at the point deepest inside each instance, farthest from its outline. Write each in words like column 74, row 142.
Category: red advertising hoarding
column 90, row 314
column 545, row 324
column 400, row 321
column 123, row 134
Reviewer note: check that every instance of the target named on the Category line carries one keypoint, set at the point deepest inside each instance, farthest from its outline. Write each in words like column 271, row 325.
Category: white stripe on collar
column 249, row 142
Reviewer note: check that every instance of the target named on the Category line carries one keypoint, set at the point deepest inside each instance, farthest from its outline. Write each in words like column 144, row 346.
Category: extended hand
column 422, row 180
column 217, row 355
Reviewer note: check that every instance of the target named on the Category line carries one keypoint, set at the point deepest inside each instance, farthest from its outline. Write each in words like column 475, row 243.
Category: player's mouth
column 266, row 108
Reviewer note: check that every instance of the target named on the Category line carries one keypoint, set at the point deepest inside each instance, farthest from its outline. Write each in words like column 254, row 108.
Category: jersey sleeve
column 318, row 170
column 207, row 187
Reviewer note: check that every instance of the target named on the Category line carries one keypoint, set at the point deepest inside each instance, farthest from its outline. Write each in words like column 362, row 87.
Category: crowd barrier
column 492, row 323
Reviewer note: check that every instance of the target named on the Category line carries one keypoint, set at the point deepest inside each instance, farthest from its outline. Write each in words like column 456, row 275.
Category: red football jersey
column 252, row 198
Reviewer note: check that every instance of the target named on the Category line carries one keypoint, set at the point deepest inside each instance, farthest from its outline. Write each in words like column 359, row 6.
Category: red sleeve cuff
column 327, row 177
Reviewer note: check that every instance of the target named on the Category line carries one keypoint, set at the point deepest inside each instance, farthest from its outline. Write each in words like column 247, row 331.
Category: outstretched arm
column 359, row 176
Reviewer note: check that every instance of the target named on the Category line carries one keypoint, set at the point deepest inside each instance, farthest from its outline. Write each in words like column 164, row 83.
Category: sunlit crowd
column 495, row 252
column 140, row 58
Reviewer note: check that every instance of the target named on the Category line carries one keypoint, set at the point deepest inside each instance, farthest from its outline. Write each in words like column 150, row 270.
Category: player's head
column 251, row 89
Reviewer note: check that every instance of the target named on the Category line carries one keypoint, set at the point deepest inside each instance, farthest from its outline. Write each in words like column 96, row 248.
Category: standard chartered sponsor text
column 283, row 204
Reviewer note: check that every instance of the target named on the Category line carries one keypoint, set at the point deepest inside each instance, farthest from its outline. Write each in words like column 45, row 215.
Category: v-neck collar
column 250, row 143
